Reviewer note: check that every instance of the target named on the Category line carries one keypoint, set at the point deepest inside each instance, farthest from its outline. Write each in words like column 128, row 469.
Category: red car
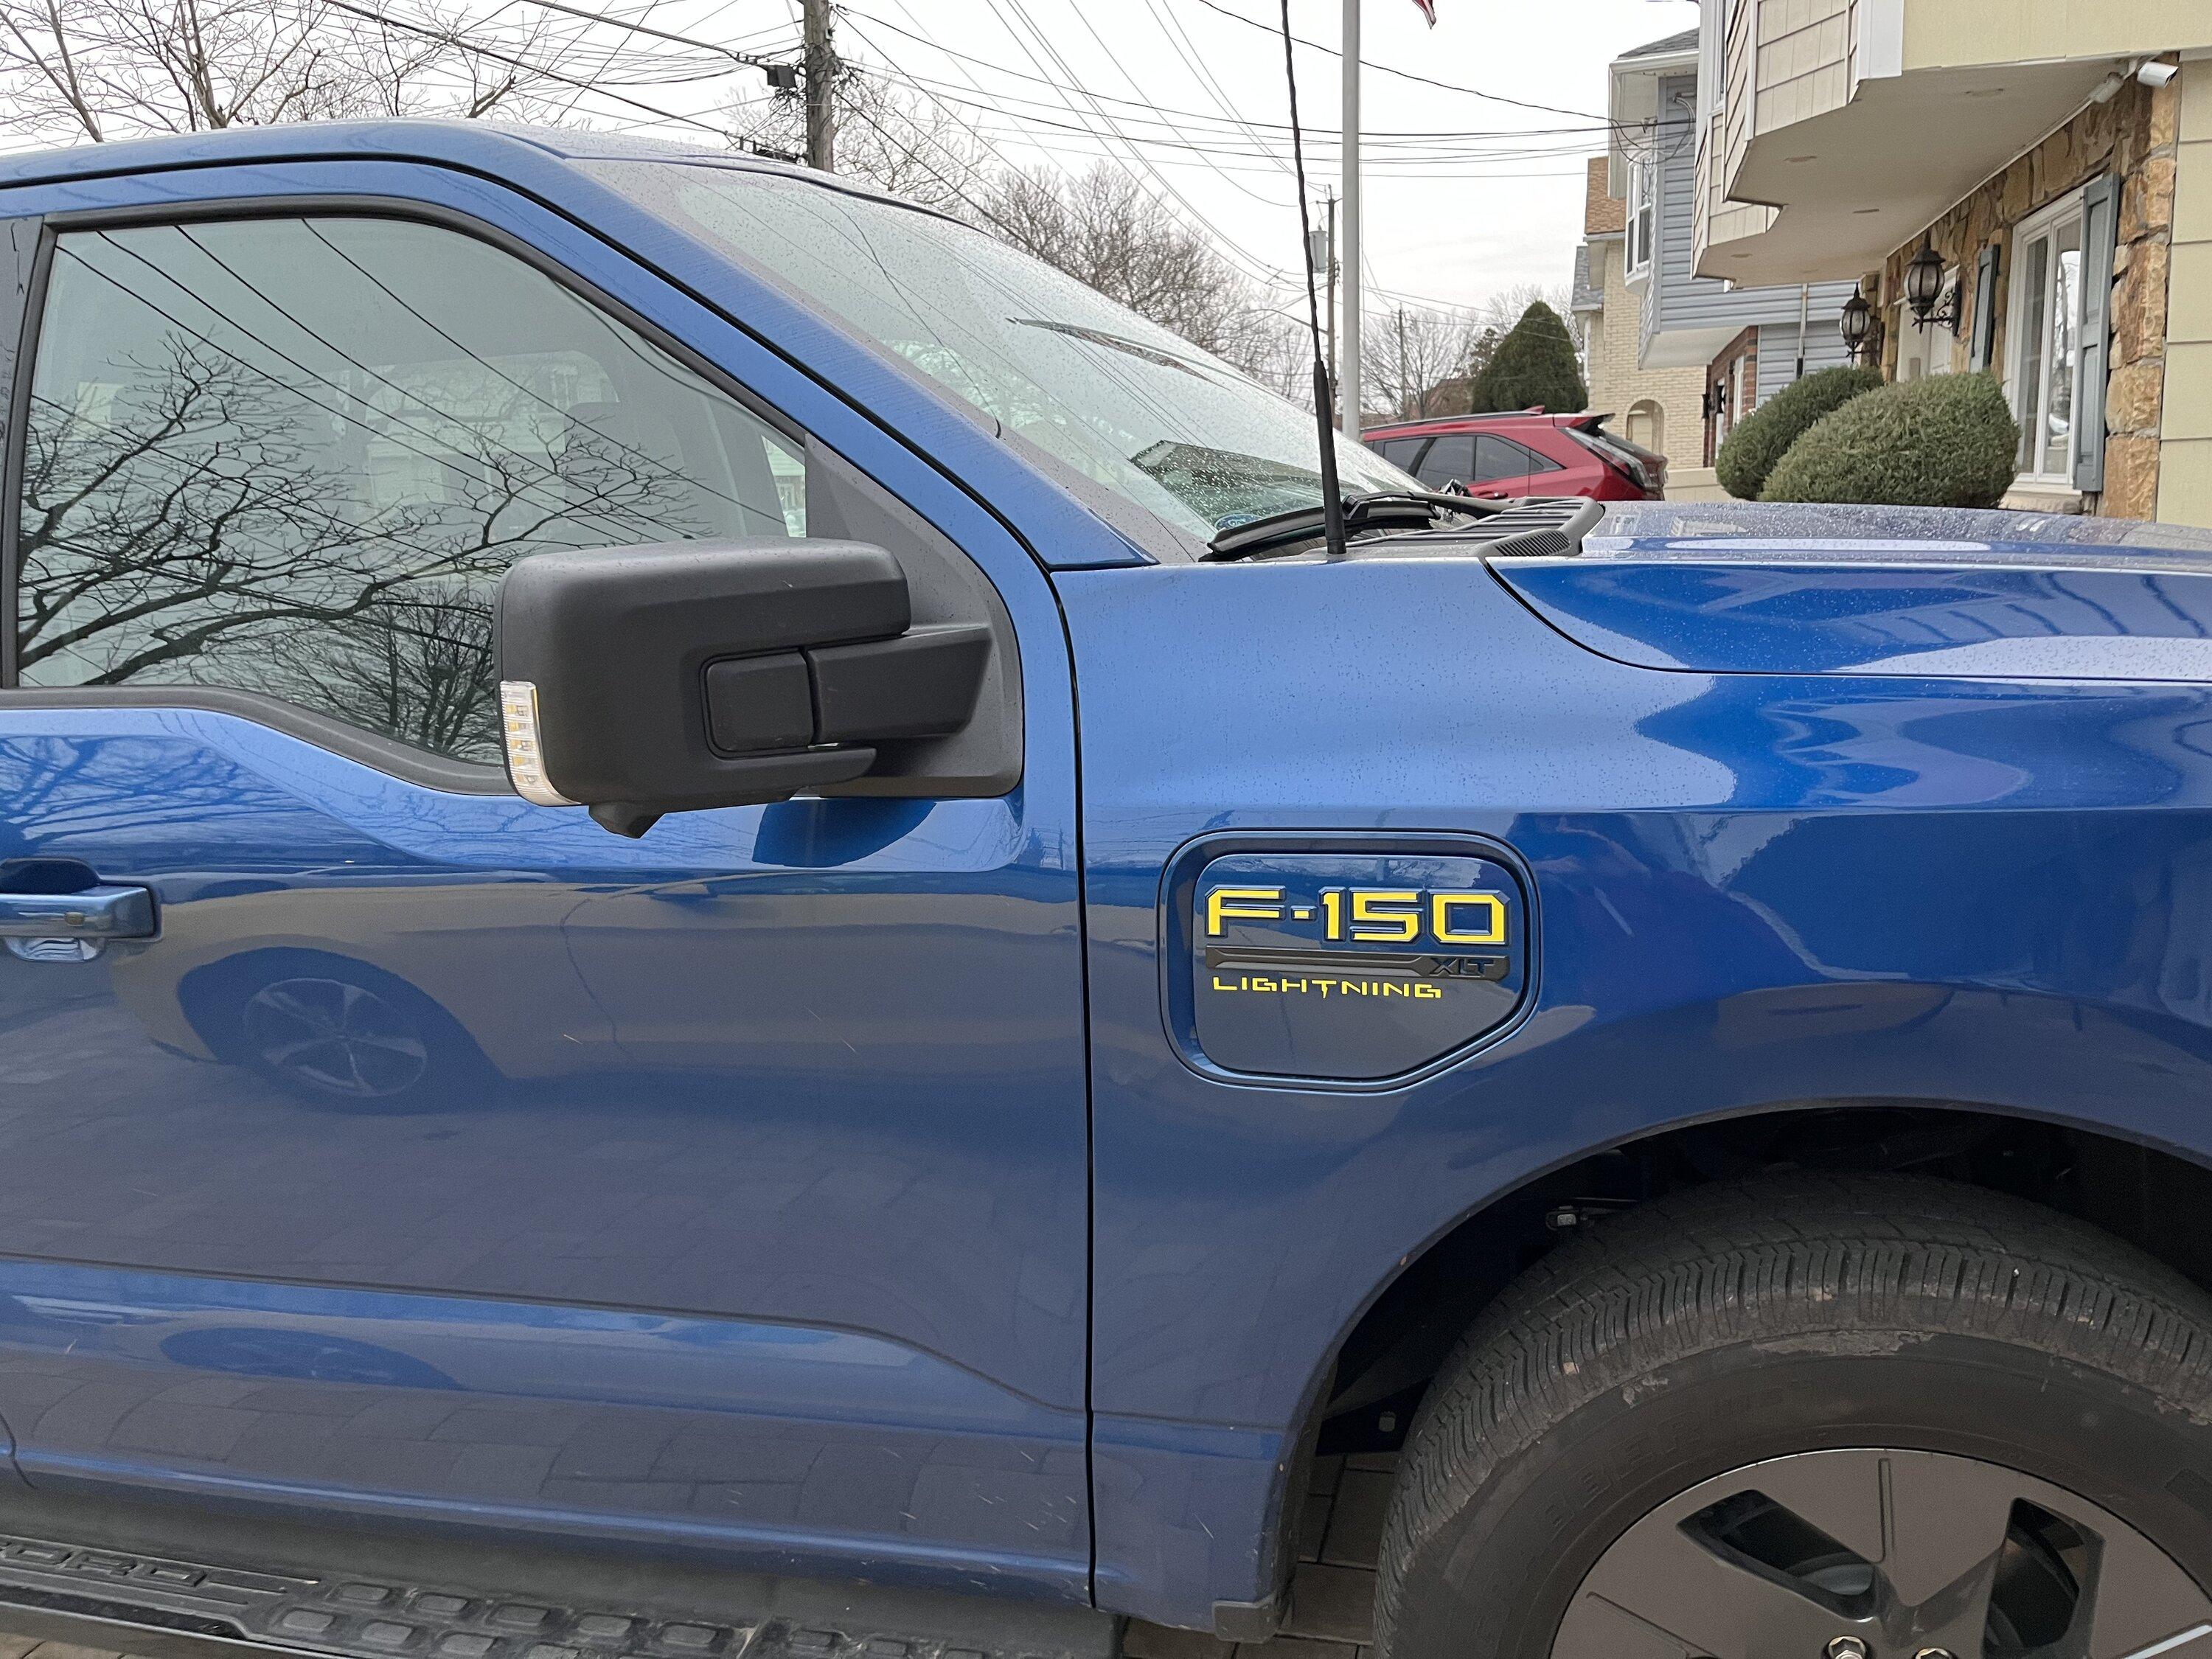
column 1526, row 452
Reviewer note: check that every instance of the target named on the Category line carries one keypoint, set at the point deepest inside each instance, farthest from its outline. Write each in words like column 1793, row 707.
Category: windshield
column 1120, row 399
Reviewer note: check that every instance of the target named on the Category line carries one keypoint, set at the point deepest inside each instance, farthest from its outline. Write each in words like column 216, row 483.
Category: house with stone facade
column 1661, row 409
column 1702, row 352
column 2048, row 163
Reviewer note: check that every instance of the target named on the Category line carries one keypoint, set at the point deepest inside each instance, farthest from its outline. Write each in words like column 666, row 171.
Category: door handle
column 95, row 913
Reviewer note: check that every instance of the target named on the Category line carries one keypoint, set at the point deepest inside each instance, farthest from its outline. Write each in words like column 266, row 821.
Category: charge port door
column 1307, row 962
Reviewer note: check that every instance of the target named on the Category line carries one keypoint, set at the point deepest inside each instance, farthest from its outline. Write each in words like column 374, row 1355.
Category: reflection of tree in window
column 294, row 457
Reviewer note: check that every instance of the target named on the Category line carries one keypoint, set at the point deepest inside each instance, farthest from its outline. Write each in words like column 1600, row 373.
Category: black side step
column 170, row 1609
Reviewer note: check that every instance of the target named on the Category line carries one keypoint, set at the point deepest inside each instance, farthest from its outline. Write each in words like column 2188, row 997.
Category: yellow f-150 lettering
column 1386, row 915
column 1370, row 915
column 1242, row 904
column 1489, row 907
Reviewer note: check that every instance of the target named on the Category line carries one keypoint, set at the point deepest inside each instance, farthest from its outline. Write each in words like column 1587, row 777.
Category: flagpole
column 1349, row 382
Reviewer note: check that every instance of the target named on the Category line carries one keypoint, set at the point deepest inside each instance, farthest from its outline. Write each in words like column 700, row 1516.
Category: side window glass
column 294, row 456
column 1496, row 458
column 1501, row 458
column 1401, row 453
column 1450, row 458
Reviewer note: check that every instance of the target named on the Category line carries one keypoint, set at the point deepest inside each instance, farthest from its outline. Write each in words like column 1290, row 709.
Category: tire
column 1920, row 1382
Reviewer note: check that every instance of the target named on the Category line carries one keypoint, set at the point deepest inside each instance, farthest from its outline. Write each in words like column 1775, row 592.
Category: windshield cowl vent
column 1533, row 529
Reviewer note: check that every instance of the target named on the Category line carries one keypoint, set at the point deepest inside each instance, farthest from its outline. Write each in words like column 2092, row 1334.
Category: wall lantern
column 1923, row 289
column 1857, row 323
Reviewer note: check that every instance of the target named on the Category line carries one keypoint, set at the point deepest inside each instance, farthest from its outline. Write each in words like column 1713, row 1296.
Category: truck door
column 373, row 1139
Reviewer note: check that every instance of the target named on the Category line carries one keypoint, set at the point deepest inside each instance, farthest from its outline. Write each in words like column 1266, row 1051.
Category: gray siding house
column 1750, row 341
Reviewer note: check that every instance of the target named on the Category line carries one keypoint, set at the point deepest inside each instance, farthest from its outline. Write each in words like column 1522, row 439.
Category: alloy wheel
column 1884, row 1555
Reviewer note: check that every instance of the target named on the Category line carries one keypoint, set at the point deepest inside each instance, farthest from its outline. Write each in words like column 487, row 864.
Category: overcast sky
column 1466, row 195
column 1477, row 131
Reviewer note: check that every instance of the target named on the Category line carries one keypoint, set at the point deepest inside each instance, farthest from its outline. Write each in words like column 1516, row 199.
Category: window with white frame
column 2044, row 370
column 1641, row 218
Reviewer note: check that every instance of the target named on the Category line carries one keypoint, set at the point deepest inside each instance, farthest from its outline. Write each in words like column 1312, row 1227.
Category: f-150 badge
column 1350, row 966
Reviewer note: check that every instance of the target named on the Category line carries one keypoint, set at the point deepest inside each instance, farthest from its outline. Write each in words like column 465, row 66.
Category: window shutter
column 1982, row 352
column 2100, row 231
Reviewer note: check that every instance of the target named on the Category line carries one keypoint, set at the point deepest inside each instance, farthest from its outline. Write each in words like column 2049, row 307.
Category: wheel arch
column 2127, row 1184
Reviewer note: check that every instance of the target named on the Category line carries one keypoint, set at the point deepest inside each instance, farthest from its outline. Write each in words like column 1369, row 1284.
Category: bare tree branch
column 106, row 68
column 192, row 529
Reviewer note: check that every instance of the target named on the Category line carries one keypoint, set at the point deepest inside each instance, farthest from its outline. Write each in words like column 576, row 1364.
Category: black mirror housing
column 640, row 681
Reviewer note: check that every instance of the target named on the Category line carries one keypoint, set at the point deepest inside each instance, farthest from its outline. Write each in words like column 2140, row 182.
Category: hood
column 1746, row 588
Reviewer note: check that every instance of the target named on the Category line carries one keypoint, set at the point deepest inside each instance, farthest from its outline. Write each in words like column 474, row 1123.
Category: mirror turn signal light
column 526, row 757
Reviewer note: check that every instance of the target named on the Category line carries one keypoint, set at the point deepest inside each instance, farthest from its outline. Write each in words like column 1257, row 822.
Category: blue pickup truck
column 724, row 941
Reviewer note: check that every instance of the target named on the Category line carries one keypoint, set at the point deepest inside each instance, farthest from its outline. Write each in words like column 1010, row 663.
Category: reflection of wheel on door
column 332, row 1036
column 339, row 1031
column 1817, row 1418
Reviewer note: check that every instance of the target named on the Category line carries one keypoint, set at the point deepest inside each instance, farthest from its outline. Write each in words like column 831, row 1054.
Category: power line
column 957, row 193
column 1131, row 80
column 1070, row 149
column 640, row 27
column 1114, row 142
column 1234, row 255
column 968, row 127
column 1260, row 148
column 1129, row 142
column 1073, row 84
column 444, row 455
column 1407, row 75
column 623, row 44
column 577, row 44
column 1591, row 124
column 458, row 344
column 1406, row 165
column 1187, row 49
column 462, row 43
column 1408, row 145
column 1271, row 275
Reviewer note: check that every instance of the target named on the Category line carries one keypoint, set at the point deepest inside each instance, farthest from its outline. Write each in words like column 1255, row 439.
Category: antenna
column 1331, row 497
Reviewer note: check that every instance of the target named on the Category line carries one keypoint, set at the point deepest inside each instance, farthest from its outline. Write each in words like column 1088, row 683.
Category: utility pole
column 1351, row 295
column 1410, row 401
column 1335, row 365
column 821, row 87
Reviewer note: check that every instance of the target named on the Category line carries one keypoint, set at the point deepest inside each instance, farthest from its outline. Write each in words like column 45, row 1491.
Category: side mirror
column 641, row 681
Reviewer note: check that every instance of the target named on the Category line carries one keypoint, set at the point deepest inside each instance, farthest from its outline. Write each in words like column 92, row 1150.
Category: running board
column 161, row 1609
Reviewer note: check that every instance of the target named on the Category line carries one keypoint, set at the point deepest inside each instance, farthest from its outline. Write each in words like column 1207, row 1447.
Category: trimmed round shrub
column 1948, row 441
column 1763, row 437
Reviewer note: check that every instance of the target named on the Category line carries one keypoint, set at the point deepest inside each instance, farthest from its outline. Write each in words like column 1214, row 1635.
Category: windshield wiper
column 1378, row 509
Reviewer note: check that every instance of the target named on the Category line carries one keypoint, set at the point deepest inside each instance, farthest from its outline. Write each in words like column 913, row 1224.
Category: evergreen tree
column 1480, row 356
column 1534, row 364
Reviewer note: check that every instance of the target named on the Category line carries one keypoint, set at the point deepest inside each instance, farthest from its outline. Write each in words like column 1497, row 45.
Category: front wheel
column 1819, row 1418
